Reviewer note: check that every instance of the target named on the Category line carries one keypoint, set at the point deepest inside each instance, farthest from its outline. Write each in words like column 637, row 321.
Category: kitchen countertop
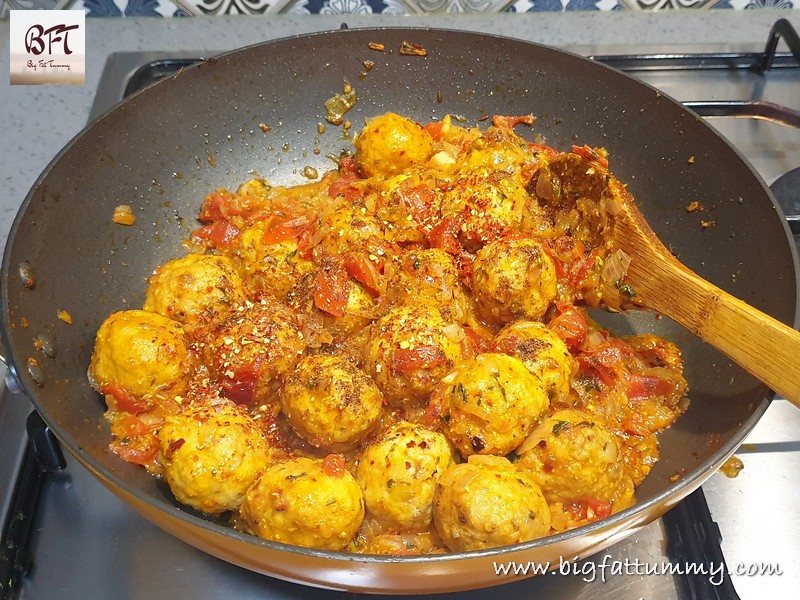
column 37, row 121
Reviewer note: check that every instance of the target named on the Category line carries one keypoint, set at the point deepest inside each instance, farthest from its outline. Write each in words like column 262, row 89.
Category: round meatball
column 409, row 350
column 331, row 403
column 542, row 352
column 431, row 277
column 195, row 290
column 514, row 278
column 351, row 228
column 489, row 404
column 490, row 203
column 211, row 454
column 573, row 457
column 390, row 144
column 488, row 502
column 398, row 475
column 268, row 267
column 305, row 502
column 141, row 356
column 253, row 349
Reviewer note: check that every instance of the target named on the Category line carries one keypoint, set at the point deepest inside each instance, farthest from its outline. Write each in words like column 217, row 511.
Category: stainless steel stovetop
column 84, row 543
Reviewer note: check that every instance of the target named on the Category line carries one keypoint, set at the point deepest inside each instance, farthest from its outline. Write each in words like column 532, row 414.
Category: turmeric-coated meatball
column 489, row 404
column 352, row 228
column 542, row 352
column 305, row 502
column 488, row 502
column 409, row 350
column 398, row 474
column 211, row 454
column 430, row 276
column 390, row 144
column 195, row 290
column 140, row 355
column 331, row 403
column 490, row 202
column 573, row 457
column 514, row 278
column 253, row 349
column 267, row 265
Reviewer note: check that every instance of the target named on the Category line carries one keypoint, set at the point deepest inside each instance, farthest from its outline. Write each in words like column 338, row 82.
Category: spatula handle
column 762, row 345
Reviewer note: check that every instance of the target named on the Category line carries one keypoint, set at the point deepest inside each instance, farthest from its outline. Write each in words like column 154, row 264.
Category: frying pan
column 163, row 149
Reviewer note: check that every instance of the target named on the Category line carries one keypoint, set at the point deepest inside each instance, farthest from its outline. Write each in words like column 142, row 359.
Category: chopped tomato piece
column 216, row 206
column 547, row 151
column 571, row 327
column 332, row 289
column 280, row 230
column 347, row 165
column 125, row 401
column 647, row 386
column 334, row 465
column 597, row 156
column 218, row 234
column 419, row 200
column 241, row 387
column 343, row 186
column 445, row 235
column 435, row 130
column 600, row 508
column 140, row 450
column 366, row 271
column 474, row 343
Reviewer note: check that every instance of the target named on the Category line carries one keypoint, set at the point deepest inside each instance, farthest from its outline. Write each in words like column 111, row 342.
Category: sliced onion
column 616, row 266
column 533, row 438
column 454, row 332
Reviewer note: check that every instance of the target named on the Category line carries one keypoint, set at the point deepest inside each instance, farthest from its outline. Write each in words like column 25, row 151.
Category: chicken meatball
column 331, row 403
column 488, row 502
column 390, row 144
column 305, row 502
column 409, row 350
column 211, row 454
column 514, row 278
column 542, row 352
column 138, row 357
column 489, row 404
column 351, row 228
column 573, row 457
column 398, row 474
column 490, row 203
column 195, row 290
column 430, row 276
column 253, row 349
column 266, row 265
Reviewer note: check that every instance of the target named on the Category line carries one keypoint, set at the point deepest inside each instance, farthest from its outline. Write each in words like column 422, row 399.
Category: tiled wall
column 178, row 8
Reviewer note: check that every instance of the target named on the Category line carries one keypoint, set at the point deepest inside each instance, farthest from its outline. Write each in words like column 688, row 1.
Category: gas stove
column 65, row 536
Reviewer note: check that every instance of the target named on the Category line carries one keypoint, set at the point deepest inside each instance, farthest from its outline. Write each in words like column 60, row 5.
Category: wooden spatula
column 656, row 280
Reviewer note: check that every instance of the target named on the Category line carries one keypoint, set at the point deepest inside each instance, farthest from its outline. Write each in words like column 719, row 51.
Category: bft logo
column 48, row 47
column 58, row 34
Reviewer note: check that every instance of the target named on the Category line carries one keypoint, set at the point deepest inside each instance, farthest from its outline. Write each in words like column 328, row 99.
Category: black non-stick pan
column 163, row 149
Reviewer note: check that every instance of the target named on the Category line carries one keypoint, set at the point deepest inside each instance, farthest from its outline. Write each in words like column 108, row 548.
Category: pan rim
column 700, row 473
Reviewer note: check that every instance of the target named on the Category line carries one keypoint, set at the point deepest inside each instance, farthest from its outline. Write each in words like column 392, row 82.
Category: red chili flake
column 175, row 445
